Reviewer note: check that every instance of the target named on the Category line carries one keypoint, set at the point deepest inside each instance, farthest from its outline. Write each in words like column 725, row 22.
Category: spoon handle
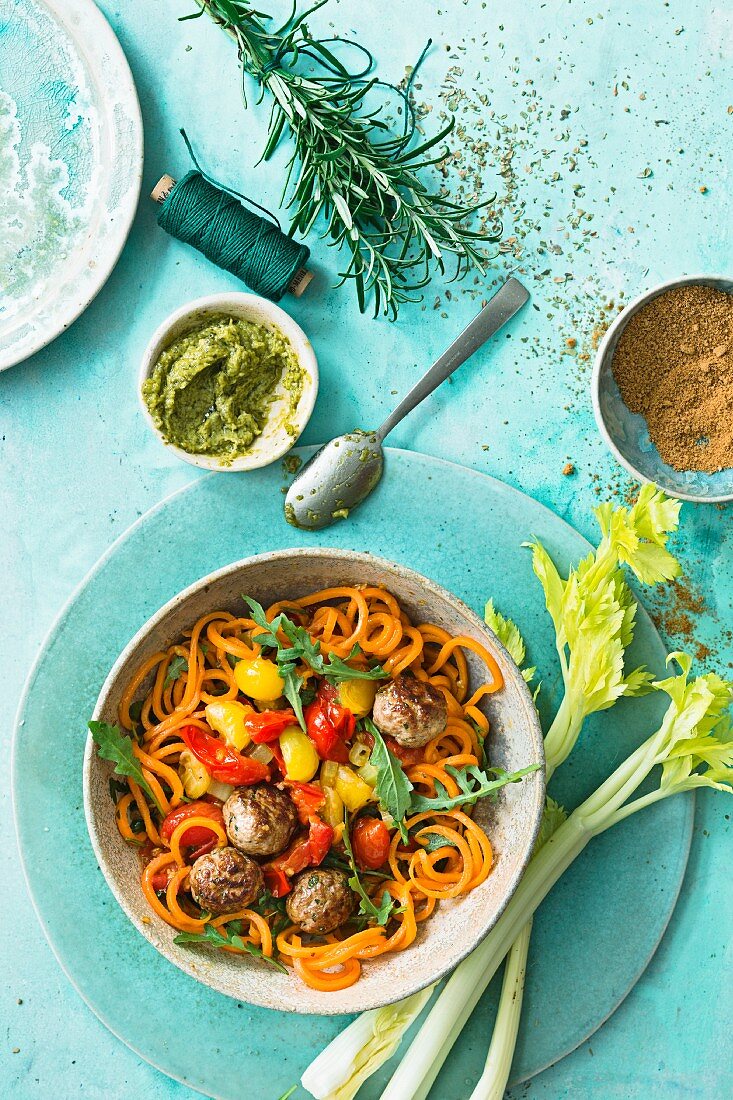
column 506, row 302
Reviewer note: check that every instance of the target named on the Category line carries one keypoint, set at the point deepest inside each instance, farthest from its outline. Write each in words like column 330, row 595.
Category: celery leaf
column 508, row 634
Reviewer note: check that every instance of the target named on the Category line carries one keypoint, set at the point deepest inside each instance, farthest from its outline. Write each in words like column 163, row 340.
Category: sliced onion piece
column 261, row 753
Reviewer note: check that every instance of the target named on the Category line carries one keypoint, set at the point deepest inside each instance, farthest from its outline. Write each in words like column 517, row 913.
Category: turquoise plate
column 465, row 531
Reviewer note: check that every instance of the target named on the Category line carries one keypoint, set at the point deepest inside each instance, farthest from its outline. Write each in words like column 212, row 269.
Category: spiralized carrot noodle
column 192, row 822
column 123, row 820
column 448, row 853
column 348, row 973
column 260, row 933
column 406, row 655
column 182, row 919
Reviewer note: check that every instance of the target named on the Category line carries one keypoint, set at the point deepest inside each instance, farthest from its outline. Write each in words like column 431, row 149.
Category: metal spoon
column 345, row 471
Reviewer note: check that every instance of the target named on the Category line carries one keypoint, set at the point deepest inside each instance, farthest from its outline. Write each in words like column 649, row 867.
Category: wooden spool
column 162, row 190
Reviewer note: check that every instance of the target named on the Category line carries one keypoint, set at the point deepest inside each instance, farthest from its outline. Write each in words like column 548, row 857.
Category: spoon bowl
column 337, row 478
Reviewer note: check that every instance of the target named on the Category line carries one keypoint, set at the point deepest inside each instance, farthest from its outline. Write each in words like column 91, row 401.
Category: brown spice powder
column 674, row 365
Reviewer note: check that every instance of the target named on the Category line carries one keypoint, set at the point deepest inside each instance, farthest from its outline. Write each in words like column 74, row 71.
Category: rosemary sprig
column 347, row 165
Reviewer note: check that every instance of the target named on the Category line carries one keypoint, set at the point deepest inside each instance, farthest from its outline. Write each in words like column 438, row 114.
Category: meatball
column 410, row 710
column 260, row 820
column 320, row 900
column 224, row 880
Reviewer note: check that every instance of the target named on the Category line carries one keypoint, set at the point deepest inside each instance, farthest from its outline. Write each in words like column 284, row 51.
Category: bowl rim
column 534, row 730
column 602, row 357
column 238, row 303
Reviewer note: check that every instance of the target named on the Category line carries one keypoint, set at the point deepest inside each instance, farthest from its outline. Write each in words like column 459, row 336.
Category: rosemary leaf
column 347, row 169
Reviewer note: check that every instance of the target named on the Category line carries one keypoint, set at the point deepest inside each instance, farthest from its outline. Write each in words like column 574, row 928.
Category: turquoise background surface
column 608, row 121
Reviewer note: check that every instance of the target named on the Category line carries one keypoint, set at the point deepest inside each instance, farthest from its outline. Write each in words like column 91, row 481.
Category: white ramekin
column 274, row 441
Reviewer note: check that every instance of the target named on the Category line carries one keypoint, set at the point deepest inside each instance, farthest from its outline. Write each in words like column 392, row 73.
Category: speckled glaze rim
column 248, row 307
column 604, row 357
column 109, row 68
column 537, row 780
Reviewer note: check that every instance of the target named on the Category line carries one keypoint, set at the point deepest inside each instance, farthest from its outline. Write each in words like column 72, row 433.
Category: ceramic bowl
column 511, row 821
column 627, row 434
column 274, row 441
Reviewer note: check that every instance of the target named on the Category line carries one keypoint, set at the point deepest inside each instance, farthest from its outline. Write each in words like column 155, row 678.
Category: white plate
column 71, row 154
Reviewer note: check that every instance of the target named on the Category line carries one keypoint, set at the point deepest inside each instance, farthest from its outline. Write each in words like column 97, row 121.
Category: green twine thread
column 216, row 223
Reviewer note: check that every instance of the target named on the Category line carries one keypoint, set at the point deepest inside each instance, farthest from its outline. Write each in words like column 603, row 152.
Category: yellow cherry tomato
column 194, row 776
column 299, row 754
column 227, row 718
column 259, row 679
column 357, row 696
column 353, row 791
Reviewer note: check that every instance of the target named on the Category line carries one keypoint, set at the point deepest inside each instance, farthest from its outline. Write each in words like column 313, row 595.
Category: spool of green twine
column 200, row 212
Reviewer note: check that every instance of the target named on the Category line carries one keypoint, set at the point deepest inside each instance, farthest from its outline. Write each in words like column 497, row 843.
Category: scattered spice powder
column 674, row 365
column 678, row 609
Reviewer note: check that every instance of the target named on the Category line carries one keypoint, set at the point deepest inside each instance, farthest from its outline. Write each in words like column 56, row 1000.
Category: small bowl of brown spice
column 663, row 387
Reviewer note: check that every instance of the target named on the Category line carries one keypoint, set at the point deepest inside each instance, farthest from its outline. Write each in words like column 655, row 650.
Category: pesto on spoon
column 345, row 471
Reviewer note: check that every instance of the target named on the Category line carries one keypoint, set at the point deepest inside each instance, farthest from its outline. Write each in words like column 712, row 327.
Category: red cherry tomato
column 268, row 725
column 329, row 725
column 320, row 838
column 370, row 842
column 197, row 835
column 276, row 751
column 406, row 756
column 297, row 857
column 220, row 761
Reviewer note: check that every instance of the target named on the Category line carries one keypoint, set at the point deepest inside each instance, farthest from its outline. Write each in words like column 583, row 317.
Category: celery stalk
column 694, row 747
column 492, row 1084
column 652, row 517
column 419, row 1068
column 373, row 1036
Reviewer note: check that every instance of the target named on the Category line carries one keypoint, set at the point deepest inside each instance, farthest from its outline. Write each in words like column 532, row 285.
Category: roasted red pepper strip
column 276, row 881
column 306, row 851
column 161, row 878
column 220, row 761
column 268, row 725
column 329, row 725
column 203, row 850
column 307, row 798
column 320, row 838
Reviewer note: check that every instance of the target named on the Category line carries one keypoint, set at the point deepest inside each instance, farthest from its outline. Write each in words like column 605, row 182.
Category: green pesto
column 292, row 463
column 211, row 389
